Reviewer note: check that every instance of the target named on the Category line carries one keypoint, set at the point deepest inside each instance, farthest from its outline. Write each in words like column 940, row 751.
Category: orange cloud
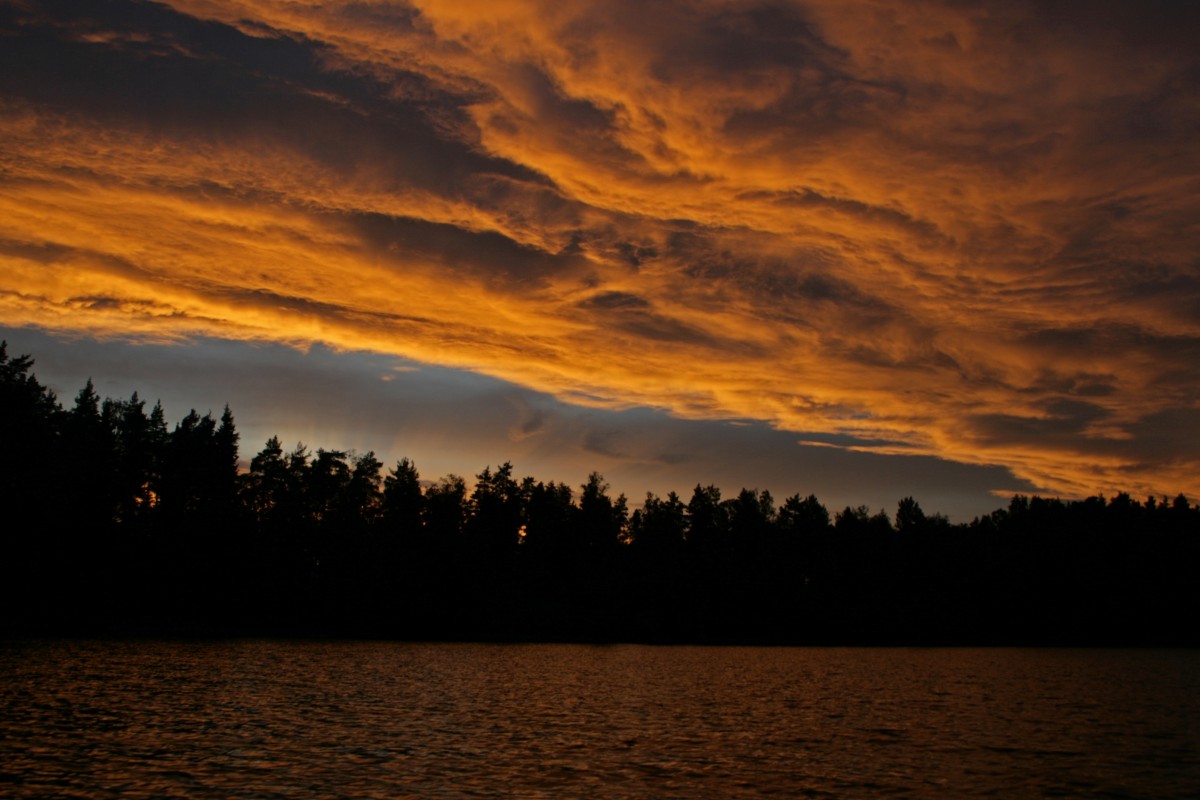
column 952, row 232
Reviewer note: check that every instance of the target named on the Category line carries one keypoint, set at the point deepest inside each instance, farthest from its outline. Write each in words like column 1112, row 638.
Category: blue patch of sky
column 450, row 420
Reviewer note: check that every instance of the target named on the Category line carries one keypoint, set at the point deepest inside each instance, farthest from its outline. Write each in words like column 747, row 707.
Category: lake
column 268, row 719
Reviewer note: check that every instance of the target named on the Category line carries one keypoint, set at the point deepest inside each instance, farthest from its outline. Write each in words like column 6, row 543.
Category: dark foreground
column 115, row 525
column 831, row 587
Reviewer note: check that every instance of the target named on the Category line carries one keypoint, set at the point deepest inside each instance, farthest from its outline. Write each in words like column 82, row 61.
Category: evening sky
column 859, row 248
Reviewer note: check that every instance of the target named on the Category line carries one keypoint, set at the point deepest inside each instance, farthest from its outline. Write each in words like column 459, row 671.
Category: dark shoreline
column 139, row 529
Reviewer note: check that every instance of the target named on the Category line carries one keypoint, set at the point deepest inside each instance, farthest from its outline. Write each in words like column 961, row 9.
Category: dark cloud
column 97, row 303
column 632, row 315
column 817, row 287
column 398, row 17
column 609, row 301
column 252, row 299
column 1170, row 435
column 160, row 72
column 1177, row 295
column 1163, row 439
column 1080, row 384
column 1152, row 26
column 806, row 198
column 591, row 130
column 658, row 328
column 1012, row 429
column 829, row 106
column 636, row 254
column 532, row 423
column 43, row 252
column 747, row 40
column 491, row 257
column 1171, row 358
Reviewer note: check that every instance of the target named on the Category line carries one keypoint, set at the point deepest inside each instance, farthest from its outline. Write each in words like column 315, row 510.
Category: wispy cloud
column 959, row 230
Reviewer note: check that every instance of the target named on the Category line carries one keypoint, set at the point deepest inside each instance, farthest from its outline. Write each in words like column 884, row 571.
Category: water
column 382, row 720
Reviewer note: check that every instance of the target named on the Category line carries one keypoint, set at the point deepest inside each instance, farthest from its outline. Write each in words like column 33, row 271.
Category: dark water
column 313, row 720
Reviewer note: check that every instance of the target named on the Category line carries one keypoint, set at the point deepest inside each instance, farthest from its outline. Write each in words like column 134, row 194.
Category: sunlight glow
column 917, row 231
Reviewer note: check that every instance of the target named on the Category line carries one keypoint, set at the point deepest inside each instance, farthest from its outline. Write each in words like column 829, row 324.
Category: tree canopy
column 120, row 523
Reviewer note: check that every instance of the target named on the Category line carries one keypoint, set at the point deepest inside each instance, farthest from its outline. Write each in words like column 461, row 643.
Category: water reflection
column 287, row 720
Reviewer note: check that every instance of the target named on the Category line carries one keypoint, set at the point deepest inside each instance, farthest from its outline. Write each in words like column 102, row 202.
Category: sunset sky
column 858, row 248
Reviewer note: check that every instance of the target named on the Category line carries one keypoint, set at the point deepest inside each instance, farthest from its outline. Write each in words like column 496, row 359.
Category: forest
column 117, row 523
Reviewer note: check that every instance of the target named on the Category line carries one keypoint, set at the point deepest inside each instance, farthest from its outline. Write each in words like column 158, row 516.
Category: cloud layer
column 943, row 229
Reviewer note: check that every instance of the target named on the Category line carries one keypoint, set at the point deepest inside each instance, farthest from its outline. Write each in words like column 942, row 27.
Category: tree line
column 117, row 523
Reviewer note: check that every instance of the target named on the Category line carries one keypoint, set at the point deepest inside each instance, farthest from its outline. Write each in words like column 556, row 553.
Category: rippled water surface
column 309, row 720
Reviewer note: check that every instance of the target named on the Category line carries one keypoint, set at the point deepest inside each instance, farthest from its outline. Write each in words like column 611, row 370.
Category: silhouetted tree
column 750, row 516
column 328, row 481
column 601, row 519
column 402, row 501
column 265, row 486
column 909, row 516
column 117, row 524
column 90, row 451
column 200, row 471
column 445, row 508
column 852, row 520
column 805, row 516
column 360, row 500
column 140, row 451
column 223, row 462
column 30, row 420
column 706, row 518
column 660, row 525
column 549, row 509
column 495, row 511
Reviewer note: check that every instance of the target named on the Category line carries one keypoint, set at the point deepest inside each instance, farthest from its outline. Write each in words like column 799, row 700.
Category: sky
column 858, row 248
